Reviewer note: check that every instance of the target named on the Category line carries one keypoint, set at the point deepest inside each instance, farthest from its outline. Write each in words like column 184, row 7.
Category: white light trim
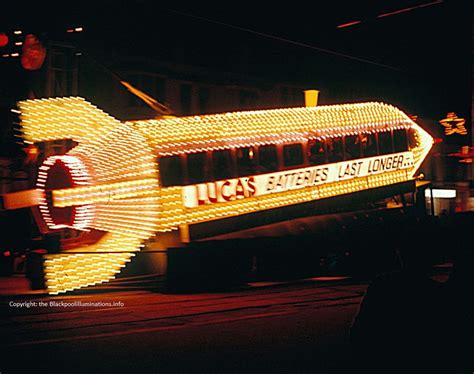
column 441, row 194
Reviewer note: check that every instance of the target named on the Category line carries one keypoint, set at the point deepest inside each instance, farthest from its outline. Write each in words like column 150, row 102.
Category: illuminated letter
column 252, row 187
column 226, row 196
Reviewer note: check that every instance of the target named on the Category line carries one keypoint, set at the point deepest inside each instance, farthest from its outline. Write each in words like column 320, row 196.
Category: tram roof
column 245, row 128
column 77, row 119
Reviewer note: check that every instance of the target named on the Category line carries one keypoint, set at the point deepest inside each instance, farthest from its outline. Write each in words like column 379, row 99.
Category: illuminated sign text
column 241, row 188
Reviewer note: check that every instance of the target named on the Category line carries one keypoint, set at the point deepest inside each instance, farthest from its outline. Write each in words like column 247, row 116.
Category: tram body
column 135, row 184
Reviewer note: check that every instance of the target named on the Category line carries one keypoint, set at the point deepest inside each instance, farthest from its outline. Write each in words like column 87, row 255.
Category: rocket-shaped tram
column 161, row 183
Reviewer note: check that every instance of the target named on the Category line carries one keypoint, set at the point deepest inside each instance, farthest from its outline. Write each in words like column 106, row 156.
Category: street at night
column 225, row 188
column 300, row 327
column 132, row 324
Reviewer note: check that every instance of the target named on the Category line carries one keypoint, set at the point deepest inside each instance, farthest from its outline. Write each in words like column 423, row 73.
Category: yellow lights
column 244, row 129
column 123, row 189
column 453, row 124
column 103, row 193
column 115, row 178
column 424, row 142
column 70, row 270
column 82, row 215
column 311, row 98
column 174, row 214
column 64, row 118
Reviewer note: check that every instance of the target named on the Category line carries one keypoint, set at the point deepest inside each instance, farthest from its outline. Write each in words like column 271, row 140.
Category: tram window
column 198, row 168
column 352, row 146
column 222, row 164
column 385, row 142
column 334, row 148
column 412, row 142
column 400, row 142
column 293, row 154
column 368, row 143
column 316, row 152
column 171, row 171
column 268, row 159
column 246, row 162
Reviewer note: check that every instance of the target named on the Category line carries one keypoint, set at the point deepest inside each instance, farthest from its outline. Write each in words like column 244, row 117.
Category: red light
column 3, row 40
column 349, row 24
column 34, row 53
column 7, row 253
column 408, row 9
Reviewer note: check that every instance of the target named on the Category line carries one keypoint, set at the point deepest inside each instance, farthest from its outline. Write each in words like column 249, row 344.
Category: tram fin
column 63, row 118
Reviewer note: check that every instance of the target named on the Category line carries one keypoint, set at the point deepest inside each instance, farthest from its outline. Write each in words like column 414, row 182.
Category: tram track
column 190, row 310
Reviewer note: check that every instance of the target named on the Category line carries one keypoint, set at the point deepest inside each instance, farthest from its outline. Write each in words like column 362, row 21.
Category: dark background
column 419, row 59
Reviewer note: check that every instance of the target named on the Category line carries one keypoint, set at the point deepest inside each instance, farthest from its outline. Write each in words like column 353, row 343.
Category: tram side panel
column 284, row 195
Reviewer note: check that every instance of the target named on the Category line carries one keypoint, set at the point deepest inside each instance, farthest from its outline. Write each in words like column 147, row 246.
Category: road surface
column 293, row 327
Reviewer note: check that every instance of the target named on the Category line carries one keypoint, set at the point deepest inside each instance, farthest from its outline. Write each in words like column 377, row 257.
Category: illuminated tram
column 163, row 183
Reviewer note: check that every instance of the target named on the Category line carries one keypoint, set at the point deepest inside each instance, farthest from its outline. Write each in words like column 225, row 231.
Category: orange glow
column 31, row 154
column 311, row 97
column 330, row 279
column 348, row 24
column 453, row 124
column 21, row 199
column 466, row 154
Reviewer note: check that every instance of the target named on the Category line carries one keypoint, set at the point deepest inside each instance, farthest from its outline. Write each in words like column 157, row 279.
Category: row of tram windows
column 206, row 166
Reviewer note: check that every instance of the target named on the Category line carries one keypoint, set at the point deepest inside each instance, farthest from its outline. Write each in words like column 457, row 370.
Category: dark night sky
column 428, row 47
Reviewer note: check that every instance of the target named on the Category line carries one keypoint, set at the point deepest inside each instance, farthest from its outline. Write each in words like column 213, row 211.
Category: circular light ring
column 70, row 172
